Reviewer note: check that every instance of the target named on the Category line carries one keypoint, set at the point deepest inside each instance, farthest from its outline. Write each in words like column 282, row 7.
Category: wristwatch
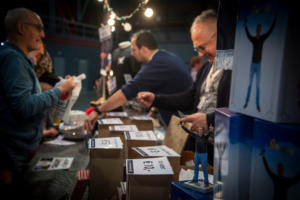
column 96, row 109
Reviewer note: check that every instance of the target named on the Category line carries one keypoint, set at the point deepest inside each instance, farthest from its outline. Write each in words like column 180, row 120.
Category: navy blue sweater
column 166, row 73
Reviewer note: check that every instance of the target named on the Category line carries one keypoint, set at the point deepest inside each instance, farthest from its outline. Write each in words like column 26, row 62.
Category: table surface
column 56, row 184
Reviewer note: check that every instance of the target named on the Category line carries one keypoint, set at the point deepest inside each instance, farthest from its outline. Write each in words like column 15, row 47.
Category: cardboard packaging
column 138, row 139
column 175, row 136
column 122, row 115
column 232, row 155
column 143, row 122
column 160, row 151
column 103, row 125
column 148, row 178
column 106, row 166
column 265, row 75
column 275, row 171
column 118, row 131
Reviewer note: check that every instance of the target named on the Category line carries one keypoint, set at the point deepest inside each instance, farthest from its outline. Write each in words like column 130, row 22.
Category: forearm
column 116, row 100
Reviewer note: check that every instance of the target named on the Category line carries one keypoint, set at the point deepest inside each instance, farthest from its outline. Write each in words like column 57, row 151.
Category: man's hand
column 51, row 132
column 67, row 86
column 89, row 123
column 199, row 122
column 146, row 98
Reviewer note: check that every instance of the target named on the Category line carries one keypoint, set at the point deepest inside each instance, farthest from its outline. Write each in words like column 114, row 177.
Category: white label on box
column 110, row 121
column 123, row 128
column 151, row 166
column 140, row 135
column 106, row 143
column 141, row 117
column 116, row 114
column 156, row 151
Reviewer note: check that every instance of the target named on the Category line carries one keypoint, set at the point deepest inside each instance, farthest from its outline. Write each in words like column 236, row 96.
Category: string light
column 127, row 27
column 148, row 12
column 111, row 22
column 113, row 17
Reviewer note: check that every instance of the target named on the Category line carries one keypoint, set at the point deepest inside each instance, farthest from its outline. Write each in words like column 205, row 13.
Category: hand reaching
column 146, row 98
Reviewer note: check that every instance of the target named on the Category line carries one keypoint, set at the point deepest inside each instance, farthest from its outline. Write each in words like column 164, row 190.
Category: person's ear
column 20, row 28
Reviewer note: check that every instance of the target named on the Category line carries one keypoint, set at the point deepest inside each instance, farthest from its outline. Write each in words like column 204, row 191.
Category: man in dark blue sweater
column 162, row 72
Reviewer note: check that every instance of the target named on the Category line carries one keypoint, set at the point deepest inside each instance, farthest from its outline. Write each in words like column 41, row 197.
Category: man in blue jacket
column 22, row 104
column 162, row 72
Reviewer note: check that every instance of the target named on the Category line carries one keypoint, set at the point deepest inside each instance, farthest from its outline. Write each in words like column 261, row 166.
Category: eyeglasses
column 202, row 48
column 38, row 27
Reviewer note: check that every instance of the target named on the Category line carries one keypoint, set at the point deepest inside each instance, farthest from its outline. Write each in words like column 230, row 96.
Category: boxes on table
column 232, row 154
column 122, row 115
column 106, row 166
column 265, row 76
column 103, row 125
column 275, row 171
column 138, row 139
column 148, row 178
column 143, row 122
column 118, row 131
column 160, row 151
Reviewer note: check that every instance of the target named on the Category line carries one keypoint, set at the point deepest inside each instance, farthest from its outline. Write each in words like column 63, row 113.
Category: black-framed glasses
column 38, row 27
column 202, row 48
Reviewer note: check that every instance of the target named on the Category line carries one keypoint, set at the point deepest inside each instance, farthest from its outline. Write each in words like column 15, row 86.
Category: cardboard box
column 281, row 146
column 118, row 131
column 148, row 178
column 138, row 139
column 103, row 125
column 271, row 63
column 143, row 122
column 160, row 151
column 232, row 154
column 175, row 136
column 122, row 115
column 106, row 166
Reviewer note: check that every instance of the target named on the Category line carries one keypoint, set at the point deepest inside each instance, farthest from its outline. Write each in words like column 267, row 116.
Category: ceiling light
column 148, row 12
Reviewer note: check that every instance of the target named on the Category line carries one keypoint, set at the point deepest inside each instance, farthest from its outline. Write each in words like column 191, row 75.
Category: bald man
column 22, row 104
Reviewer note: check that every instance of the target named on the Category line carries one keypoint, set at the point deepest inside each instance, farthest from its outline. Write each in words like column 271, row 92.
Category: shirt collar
column 153, row 54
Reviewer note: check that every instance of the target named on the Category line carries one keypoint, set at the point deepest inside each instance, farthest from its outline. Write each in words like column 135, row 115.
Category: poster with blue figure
column 232, row 160
column 275, row 161
column 264, row 75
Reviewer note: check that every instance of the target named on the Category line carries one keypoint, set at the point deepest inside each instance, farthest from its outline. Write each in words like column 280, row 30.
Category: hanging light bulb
column 111, row 22
column 127, row 27
column 148, row 12
column 113, row 28
column 100, row 0
column 112, row 15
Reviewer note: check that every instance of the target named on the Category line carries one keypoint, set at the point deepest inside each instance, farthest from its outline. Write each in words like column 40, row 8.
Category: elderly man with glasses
column 22, row 104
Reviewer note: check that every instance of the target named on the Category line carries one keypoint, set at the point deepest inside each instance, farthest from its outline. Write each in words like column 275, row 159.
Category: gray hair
column 13, row 17
column 206, row 15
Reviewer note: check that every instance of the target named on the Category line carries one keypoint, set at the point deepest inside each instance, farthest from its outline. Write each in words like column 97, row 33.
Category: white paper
column 123, row 128
column 151, row 166
column 106, row 143
column 59, row 141
column 141, row 117
column 156, row 151
column 140, row 135
column 188, row 174
column 116, row 114
column 109, row 121
column 53, row 163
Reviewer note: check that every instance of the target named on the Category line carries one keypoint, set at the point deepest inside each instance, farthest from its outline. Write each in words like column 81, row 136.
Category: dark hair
column 49, row 78
column 145, row 38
